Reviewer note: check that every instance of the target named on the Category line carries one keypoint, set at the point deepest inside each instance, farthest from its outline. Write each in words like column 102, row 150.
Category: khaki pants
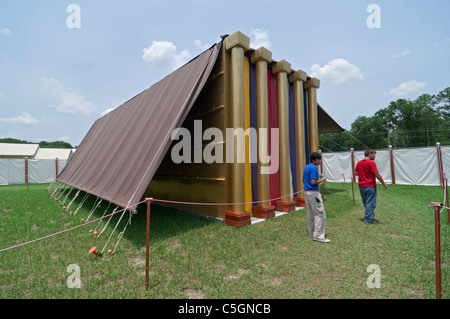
column 315, row 214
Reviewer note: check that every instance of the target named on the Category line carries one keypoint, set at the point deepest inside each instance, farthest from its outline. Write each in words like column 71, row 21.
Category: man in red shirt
column 367, row 171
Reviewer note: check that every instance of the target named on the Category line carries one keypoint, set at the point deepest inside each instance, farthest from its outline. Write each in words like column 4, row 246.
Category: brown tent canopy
column 121, row 152
column 326, row 123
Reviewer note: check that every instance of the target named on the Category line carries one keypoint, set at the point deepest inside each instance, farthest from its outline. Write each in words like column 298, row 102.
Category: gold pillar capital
column 281, row 66
column 261, row 54
column 298, row 75
column 312, row 83
column 237, row 39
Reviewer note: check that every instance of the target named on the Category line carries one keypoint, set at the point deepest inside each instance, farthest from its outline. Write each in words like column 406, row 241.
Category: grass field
column 192, row 257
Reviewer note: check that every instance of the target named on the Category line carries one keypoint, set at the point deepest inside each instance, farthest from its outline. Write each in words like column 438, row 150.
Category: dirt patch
column 138, row 261
column 174, row 246
column 275, row 281
column 193, row 293
column 237, row 276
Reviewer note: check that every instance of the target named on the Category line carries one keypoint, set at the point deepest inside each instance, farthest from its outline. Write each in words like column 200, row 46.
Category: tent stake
column 148, row 201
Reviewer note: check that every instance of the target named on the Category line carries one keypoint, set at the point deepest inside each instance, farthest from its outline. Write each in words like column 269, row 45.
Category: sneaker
column 372, row 222
column 322, row 240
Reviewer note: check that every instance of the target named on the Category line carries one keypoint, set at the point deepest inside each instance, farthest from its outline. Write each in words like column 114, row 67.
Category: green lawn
column 192, row 257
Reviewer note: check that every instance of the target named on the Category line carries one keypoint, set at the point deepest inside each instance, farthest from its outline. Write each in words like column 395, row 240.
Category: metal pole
column 391, row 160
column 353, row 165
column 147, row 249
column 448, row 204
column 439, row 157
column 26, row 172
column 437, row 227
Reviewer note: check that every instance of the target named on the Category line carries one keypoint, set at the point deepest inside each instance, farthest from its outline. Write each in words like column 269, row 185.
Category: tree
column 403, row 123
column 13, row 140
column 42, row 144
column 443, row 102
column 57, row 144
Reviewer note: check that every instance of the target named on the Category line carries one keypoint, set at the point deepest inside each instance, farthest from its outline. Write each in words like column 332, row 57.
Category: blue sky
column 55, row 81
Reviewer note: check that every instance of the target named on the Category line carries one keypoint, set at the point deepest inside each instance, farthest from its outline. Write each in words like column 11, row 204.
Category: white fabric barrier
column 414, row 166
column 61, row 164
column 383, row 162
column 4, row 168
column 41, row 171
column 445, row 151
column 337, row 167
column 16, row 172
column 12, row 171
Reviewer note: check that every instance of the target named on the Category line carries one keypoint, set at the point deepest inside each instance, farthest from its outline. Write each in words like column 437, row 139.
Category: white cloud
column 69, row 102
column 337, row 71
column 5, row 31
column 401, row 54
column 24, row 119
column 164, row 53
column 406, row 88
column 260, row 38
column 201, row 45
column 107, row 111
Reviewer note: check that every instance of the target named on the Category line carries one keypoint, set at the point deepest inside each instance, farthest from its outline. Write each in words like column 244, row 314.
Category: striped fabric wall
column 250, row 120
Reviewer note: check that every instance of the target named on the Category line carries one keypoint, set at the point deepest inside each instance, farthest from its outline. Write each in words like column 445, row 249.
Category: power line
column 325, row 148
column 356, row 139
column 343, row 148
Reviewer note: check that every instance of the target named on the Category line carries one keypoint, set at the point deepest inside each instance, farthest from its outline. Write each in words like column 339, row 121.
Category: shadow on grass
column 334, row 189
column 165, row 221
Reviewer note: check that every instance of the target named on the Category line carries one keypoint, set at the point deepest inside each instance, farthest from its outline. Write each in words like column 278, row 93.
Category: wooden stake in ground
column 437, row 226
column 147, row 248
column 346, row 189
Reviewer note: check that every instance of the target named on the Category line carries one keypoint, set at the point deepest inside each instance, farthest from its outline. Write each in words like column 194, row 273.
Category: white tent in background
column 53, row 153
column 18, row 150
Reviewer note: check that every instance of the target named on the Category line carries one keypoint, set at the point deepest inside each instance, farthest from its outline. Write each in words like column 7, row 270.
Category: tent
column 53, row 153
column 18, row 150
column 128, row 154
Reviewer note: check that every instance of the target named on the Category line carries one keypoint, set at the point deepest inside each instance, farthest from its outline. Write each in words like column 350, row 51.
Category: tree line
column 42, row 144
column 404, row 123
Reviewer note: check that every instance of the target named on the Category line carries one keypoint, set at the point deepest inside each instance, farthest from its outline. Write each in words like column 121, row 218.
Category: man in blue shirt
column 315, row 211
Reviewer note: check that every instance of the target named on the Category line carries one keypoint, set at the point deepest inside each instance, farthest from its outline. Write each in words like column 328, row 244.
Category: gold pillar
column 298, row 78
column 235, row 215
column 282, row 69
column 312, row 85
column 261, row 57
